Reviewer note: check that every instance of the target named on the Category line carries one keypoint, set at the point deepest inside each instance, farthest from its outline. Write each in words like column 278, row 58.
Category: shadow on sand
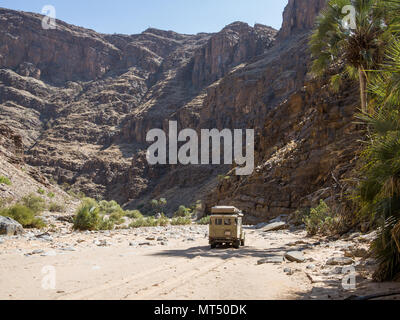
column 222, row 252
column 327, row 289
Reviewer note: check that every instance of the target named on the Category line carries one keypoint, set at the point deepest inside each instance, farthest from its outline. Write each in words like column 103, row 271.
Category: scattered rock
column 38, row 251
column 51, row 253
column 336, row 270
column 69, row 219
column 295, row 256
column 144, row 244
column 275, row 226
column 288, row 271
column 311, row 267
column 151, row 238
column 68, row 249
column 354, row 235
column 272, row 259
column 339, row 261
column 101, row 243
column 133, row 244
column 314, row 279
column 357, row 253
column 10, row 227
column 45, row 237
column 367, row 238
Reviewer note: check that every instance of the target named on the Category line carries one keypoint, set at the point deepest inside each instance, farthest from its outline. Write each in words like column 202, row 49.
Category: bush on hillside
column 24, row 215
column 35, row 203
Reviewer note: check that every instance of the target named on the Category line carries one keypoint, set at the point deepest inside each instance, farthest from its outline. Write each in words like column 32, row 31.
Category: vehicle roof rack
column 225, row 210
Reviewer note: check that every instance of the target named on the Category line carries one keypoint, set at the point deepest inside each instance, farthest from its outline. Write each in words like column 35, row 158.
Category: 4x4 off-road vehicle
column 226, row 227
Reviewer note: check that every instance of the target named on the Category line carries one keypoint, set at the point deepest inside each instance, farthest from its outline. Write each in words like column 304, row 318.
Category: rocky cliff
column 83, row 102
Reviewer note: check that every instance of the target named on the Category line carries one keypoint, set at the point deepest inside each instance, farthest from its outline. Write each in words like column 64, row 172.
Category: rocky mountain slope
column 82, row 103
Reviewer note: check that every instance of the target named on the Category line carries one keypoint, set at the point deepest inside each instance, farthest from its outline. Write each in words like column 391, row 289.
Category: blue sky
column 134, row 16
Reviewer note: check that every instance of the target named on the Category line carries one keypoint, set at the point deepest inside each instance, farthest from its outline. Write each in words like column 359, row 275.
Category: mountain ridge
column 83, row 111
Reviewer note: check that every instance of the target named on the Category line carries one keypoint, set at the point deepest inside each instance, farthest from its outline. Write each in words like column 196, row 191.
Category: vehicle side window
column 228, row 222
column 218, row 222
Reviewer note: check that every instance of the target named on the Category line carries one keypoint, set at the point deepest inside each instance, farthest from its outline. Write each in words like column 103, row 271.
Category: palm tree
column 378, row 192
column 333, row 43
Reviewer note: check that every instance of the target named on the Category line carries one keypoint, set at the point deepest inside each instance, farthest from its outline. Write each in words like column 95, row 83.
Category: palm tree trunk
column 363, row 89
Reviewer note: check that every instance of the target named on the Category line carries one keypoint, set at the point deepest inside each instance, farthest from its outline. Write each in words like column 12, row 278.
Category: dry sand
column 180, row 265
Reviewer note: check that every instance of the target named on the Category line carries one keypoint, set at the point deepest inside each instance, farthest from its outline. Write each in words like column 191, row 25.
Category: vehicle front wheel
column 242, row 242
column 236, row 244
column 213, row 245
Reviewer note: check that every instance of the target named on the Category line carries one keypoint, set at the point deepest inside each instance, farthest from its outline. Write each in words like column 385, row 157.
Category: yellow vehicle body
column 226, row 227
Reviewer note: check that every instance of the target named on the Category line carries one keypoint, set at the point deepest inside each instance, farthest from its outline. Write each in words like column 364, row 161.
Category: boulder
column 275, row 226
column 339, row 261
column 295, row 256
column 271, row 259
column 10, row 227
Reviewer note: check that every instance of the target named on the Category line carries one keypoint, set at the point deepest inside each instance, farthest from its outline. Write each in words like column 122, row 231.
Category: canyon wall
column 83, row 103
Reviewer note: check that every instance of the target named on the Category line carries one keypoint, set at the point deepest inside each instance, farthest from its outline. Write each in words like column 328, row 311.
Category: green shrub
column 5, row 180
column 56, row 207
column 151, row 222
column 113, row 210
column 181, row 221
column 133, row 214
column 183, row 212
column 35, row 203
column 109, row 207
column 204, row 220
column 163, row 221
column 5, row 201
column 24, row 215
column 298, row 217
column 87, row 216
column 106, row 224
column 144, row 222
column 320, row 220
column 91, row 215
column 79, row 195
column 51, row 195
column 41, row 191
column 117, row 217
column 138, row 223
column 158, row 206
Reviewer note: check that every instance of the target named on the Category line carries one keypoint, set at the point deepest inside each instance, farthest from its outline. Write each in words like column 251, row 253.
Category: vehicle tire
column 236, row 244
column 213, row 245
column 242, row 242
